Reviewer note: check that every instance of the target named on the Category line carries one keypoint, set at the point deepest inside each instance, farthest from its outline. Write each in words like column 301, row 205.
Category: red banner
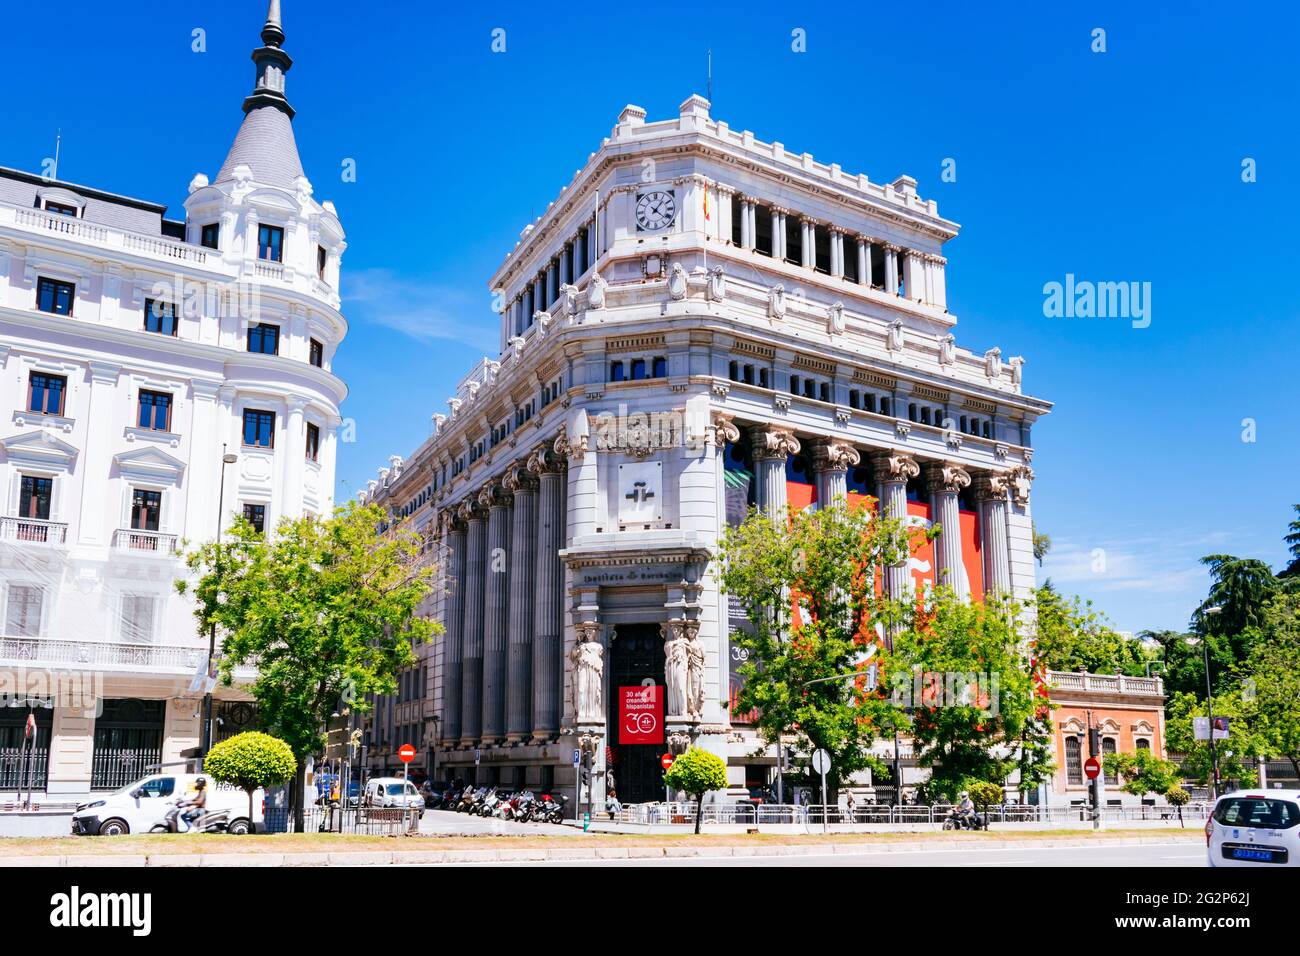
column 641, row 714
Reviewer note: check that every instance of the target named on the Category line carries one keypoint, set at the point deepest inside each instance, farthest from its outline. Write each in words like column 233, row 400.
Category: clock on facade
column 655, row 210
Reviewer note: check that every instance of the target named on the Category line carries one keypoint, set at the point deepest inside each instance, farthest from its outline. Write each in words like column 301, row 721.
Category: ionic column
column 770, row 447
column 808, row 248
column 864, row 263
column 944, row 481
column 753, row 224
column 548, row 595
column 454, row 623
column 837, row 253
column 991, row 493
column 746, row 233
column 495, row 611
column 471, row 710
column 778, row 233
column 893, row 470
column 523, row 571
column 891, row 268
column 566, row 272
column 831, row 463
column 539, row 295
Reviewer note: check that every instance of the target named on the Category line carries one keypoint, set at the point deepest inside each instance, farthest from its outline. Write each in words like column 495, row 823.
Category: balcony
column 33, row 531
column 109, row 656
column 151, row 246
column 144, row 542
column 1079, row 681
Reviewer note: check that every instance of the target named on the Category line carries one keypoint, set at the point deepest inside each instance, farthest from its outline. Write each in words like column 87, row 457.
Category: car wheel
column 114, row 827
column 238, row 827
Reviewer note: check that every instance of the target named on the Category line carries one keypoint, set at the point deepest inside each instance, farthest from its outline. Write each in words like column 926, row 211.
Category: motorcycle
column 552, row 810
column 956, row 820
column 210, row 821
column 469, row 799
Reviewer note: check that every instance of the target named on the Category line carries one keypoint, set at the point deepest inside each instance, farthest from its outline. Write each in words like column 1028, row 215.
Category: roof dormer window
column 61, row 209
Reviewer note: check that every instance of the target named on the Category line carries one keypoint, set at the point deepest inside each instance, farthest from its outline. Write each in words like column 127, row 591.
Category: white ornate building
column 135, row 352
column 699, row 321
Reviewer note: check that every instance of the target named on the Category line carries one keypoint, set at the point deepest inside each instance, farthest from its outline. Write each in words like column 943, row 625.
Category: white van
column 393, row 792
column 139, row 807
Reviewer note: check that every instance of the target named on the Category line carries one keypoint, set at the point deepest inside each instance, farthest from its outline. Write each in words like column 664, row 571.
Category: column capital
column 834, row 455
column 1020, row 478
column 724, row 429
column 544, row 461
column 991, row 485
column 566, row 448
column 946, row 477
column 518, row 478
column 772, row 443
column 469, row 510
column 493, row 496
column 894, row 466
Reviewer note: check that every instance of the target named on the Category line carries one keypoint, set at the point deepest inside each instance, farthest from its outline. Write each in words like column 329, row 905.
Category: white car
column 139, row 807
column 1255, row 828
column 393, row 792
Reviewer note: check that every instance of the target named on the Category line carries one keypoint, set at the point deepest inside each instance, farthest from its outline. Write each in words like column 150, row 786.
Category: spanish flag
column 706, row 203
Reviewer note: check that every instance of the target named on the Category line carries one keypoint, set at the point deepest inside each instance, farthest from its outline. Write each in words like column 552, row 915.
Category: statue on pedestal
column 675, row 667
column 588, row 669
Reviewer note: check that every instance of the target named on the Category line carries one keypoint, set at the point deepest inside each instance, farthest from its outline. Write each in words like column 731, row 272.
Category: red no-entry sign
column 1092, row 767
column 666, row 760
column 406, row 753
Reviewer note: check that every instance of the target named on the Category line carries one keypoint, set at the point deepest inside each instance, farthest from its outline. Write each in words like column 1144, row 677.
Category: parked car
column 393, row 792
column 140, row 806
column 1254, row 828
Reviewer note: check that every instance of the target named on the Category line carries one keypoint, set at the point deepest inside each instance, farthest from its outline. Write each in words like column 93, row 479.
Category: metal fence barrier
column 766, row 814
column 371, row 821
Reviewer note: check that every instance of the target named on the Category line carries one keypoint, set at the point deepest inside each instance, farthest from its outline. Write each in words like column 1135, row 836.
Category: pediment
column 149, row 463
column 38, row 448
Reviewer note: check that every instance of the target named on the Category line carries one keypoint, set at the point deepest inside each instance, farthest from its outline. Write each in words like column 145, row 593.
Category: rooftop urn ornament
column 596, row 292
column 677, row 282
column 1017, row 363
column 717, row 286
column 569, row 300
column 993, row 362
column 776, row 302
column 836, row 315
column 517, row 343
column 948, row 349
column 894, row 338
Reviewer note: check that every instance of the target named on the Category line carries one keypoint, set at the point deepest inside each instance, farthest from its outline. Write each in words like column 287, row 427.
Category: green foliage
column 697, row 772
column 1240, row 587
column 1292, row 538
column 977, row 696
column 985, row 794
column 1184, row 663
column 1178, row 797
column 827, row 559
column 1273, row 670
column 1042, row 545
column 1234, row 753
column 1071, row 635
column 1142, row 772
column 327, row 610
column 249, row 761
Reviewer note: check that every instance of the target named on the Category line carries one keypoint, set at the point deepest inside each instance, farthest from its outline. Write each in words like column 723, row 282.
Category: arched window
column 1073, row 762
column 1142, row 744
column 1108, row 748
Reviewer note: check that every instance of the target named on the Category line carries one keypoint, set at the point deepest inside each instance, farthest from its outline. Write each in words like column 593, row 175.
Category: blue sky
column 1117, row 166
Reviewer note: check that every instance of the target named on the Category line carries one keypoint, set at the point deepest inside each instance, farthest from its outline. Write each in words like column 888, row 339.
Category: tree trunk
column 298, row 794
column 699, row 811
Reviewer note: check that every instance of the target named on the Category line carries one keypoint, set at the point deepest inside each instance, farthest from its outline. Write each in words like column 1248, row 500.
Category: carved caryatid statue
column 694, row 671
column 675, row 658
column 588, row 669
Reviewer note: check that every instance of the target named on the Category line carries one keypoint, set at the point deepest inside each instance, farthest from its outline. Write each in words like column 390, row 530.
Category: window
column 659, row 367
column 155, row 411
column 137, row 617
column 45, row 393
column 264, row 338
column 23, row 610
column 1108, row 749
column 146, row 507
column 854, row 398
column 210, row 235
column 61, row 209
column 733, row 371
column 616, row 371
column 313, row 442
column 824, row 391
column 316, row 354
column 1073, row 762
column 638, row 369
column 55, row 296
column 794, row 384
column 259, row 428
column 159, row 787
column 34, row 497
column 1142, row 744
column 322, row 257
column 270, row 243
column 764, row 378
column 159, row 317
column 256, row 516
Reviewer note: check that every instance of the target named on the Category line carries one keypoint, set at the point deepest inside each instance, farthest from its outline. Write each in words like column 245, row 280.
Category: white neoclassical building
column 699, row 322
column 136, row 352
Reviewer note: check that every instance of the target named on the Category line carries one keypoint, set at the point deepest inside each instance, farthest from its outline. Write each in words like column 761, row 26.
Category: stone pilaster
column 523, row 572
column 770, row 447
column 471, row 711
column 495, row 611
column 831, row 463
column 548, row 595
column 454, row 622
column 991, row 493
column 945, row 481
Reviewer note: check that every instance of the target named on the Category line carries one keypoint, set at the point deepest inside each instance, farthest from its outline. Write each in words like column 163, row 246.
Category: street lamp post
column 226, row 459
column 1209, row 705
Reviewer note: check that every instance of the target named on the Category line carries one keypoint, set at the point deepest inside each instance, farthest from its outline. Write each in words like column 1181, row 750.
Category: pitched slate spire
column 265, row 142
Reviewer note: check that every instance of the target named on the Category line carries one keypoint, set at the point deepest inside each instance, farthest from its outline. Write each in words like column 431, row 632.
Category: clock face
column 655, row 210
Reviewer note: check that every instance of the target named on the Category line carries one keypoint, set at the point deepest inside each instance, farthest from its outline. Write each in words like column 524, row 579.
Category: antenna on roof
column 58, row 140
column 709, row 82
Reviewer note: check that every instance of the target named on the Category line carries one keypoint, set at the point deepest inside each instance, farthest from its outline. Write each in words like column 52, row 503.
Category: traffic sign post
column 821, row 762
column 1092, row 767
column 666, row 761
column 405, row 753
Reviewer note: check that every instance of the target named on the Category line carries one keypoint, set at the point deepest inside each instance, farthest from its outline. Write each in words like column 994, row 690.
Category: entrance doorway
column 636, row 656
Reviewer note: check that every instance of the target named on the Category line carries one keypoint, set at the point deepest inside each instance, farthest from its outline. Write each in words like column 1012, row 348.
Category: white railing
column 166, row 248
column 63, row 225
column 267, row 269
column 108, row 655
column 149, row 542
column 33, row 530
column 1104, row 683
column 767, row 814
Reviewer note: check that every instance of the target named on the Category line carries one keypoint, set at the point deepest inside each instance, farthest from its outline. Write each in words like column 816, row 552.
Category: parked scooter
column 552, row 810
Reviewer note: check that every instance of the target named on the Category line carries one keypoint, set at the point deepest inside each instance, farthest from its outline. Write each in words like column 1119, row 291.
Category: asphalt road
column 1147, row 854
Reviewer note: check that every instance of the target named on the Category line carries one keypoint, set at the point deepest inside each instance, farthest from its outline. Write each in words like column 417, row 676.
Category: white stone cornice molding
column 834, row 455
column 677, row 282
column 768, row 442
column 947, row 478
column 1021, row 477
column 895, row 466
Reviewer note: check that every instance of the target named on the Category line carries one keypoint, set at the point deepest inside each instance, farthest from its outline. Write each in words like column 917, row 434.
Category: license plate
column 1254, row 854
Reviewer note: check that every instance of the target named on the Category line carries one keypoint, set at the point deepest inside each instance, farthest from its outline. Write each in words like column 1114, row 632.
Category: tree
column 697, row 772
column 811, row 670
column 1178, row 797
column 249, row 761
column 1292, row 539
column 1240, row 588
column 1071, row 635
column 1234, row 753
column 1184, row 663
column 327, row 610
column 1042, row 544
column 1142, row 772
column 1273, row 674
column 984, row 795
column 972, row 696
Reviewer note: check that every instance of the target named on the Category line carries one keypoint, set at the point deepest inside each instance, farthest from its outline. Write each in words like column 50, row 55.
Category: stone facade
column 700, row 321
